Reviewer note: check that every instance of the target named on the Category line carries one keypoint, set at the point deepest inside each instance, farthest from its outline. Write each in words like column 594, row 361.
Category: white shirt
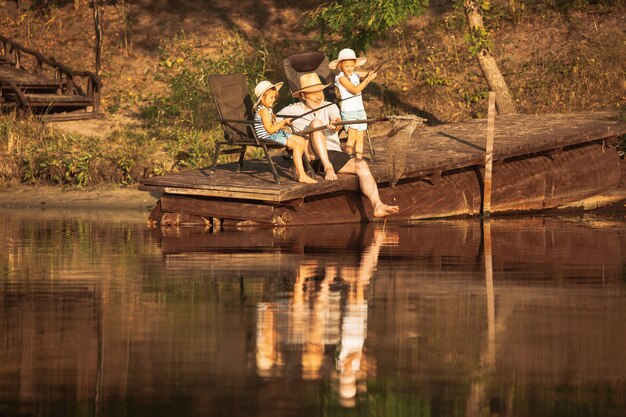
column 353, row 104
column 325, row 115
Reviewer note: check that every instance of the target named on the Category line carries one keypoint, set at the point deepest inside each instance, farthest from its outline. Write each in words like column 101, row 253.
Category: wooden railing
column 65, row 76
column 22, row 102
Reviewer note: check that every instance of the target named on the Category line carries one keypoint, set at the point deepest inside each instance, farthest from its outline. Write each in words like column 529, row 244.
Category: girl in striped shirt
column 267, row 128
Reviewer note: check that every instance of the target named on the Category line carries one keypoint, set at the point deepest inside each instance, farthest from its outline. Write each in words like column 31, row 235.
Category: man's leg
column 318, row 141
column 368, row 186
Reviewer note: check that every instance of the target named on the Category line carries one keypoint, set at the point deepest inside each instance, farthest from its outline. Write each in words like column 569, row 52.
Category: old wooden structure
column 33, row 83
column 539, row 162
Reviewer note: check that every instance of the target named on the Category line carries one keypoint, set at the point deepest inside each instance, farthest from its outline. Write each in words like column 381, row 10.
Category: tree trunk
column 125, row 12
column 488, row 65
column 98, row 28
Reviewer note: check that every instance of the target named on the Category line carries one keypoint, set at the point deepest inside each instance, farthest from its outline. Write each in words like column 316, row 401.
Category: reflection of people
column 314, row 320
column 351, row 361
column 310, row 323
column 324, row 146
column 266, row 343
column 348, row 83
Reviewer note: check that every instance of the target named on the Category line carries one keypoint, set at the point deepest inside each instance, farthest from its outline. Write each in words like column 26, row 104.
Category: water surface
column 102, row 316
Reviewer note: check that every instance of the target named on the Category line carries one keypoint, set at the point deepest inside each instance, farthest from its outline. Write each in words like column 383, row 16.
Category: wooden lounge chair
column 317, row 62
column 234, row 107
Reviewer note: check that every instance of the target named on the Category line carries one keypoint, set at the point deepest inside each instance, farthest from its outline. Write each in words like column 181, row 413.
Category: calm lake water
column 102, row 316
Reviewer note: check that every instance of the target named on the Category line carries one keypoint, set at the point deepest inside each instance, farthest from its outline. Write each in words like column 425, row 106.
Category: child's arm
column 269, row 126
column 356, row 89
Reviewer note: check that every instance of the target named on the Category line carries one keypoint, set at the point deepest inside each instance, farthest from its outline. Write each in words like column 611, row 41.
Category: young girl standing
column 349, row 84
column 266, row 126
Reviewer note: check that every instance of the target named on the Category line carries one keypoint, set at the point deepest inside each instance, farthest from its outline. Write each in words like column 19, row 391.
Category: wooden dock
column 540, row 162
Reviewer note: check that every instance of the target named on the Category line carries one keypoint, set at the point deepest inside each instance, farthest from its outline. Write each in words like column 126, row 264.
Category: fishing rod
column 381, row 65
column 348, row 122
column 294, row 117
column 287, row 116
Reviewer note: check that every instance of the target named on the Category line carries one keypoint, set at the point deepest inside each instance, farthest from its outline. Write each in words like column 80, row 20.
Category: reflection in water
column 327, row 310
column 477, row 398
column 517, row 317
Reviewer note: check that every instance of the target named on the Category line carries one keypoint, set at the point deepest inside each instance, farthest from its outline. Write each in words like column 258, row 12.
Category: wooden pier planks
column 437, row 149
column 23, row 78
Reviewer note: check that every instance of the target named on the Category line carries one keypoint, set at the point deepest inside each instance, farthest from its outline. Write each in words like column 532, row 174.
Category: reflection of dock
column 440, row 246
column 540, row 162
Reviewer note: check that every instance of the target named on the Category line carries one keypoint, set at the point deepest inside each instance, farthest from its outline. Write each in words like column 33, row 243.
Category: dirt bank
column 109, row 198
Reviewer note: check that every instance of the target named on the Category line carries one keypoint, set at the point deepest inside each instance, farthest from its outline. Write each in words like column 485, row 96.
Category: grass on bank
column 37, row 154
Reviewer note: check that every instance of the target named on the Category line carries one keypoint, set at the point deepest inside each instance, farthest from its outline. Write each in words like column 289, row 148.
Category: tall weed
column 33, row 153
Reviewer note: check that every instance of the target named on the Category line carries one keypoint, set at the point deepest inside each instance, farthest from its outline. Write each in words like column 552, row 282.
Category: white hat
column 344, row 54
column 262, row 87
column 310, row 83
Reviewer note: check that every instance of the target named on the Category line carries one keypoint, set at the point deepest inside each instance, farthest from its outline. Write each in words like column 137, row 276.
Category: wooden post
column 489, row 154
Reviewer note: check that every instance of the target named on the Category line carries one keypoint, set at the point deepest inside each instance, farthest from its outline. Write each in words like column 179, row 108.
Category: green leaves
column 359, row 23
column 478, row 40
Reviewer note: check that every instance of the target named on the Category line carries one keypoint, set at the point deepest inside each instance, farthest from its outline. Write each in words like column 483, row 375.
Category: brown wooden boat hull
column 540, row 181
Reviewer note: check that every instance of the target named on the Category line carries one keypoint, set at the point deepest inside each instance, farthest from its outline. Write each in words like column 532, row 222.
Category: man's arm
column 334, row 115
column 333, row 112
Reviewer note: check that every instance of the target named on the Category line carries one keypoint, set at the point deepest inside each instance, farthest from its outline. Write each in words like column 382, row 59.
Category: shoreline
column 100, row 197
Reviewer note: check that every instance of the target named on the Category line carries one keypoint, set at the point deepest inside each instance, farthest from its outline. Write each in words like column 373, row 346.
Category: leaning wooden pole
column 491, row 110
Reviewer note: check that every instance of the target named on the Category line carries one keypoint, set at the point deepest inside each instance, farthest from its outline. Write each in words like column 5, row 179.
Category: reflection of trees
column 57, row 279
column 312, row 320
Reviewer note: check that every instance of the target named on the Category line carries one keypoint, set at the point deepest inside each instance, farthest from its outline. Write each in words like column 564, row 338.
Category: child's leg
column 358, row 147
column 296, row 144
column 351, row 141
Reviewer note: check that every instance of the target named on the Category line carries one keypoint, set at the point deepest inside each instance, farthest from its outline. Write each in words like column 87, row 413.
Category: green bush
column 184, row 69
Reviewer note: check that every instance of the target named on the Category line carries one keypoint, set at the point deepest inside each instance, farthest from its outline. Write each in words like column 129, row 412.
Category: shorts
column 354, row 115
column 281, row 137
column 337, row 159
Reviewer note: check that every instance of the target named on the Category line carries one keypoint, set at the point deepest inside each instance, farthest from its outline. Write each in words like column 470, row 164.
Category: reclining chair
column 234, row 107
column 298, row 64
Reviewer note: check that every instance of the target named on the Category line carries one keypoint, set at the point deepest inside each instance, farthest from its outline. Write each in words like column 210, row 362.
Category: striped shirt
column 259, row 129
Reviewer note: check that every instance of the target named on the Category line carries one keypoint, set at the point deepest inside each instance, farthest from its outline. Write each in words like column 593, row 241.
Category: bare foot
column 383, row 210
column 306, row 179
column 330, row 175
column 349, row 149
column 359, row 155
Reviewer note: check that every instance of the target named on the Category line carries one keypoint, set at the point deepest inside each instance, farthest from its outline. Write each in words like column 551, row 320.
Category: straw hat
column 309, row 83
column 262, row 87
column 344, row 54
